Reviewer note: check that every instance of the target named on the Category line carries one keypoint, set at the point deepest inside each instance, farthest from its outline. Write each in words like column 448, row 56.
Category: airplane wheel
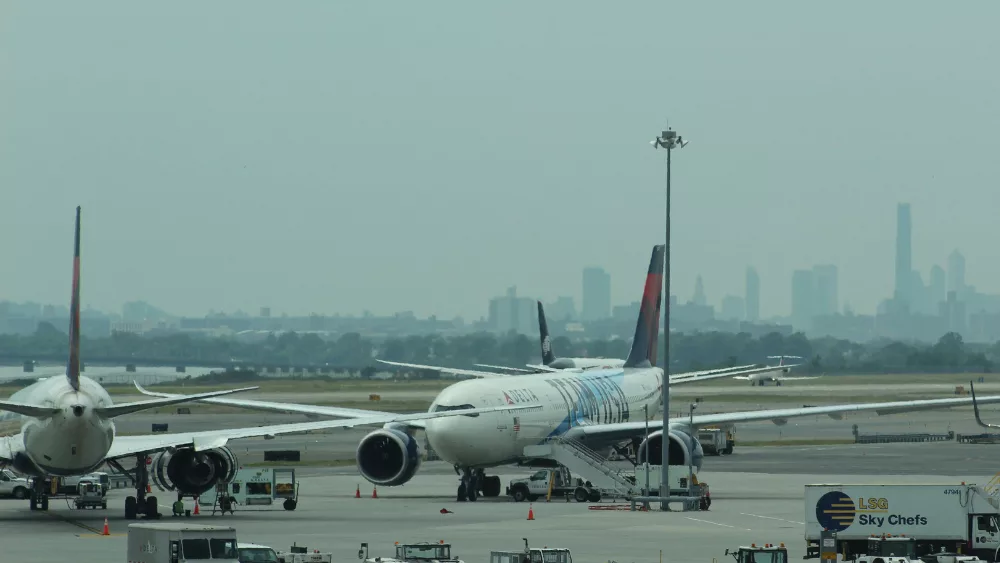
column 151, row 508
column 131, row 508
column 45, row 503
column 461, row 492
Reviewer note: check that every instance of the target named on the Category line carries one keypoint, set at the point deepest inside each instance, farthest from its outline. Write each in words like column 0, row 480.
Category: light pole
column 690, row 457
column 645, row 455
column 668, row 140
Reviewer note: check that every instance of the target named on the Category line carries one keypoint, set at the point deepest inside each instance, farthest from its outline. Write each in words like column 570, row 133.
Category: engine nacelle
column 684, row 449
column 190, row 472
column 388, row 457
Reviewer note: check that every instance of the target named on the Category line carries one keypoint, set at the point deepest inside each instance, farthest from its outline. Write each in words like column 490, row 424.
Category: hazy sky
column 341, row 156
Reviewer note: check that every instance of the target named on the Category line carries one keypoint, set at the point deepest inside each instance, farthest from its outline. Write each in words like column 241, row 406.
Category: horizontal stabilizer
column 27, row 410
column 137, row 406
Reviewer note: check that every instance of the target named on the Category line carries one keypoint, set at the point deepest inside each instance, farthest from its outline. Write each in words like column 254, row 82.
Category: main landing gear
column 474, row 482
column 140, row 503
column 39, row 499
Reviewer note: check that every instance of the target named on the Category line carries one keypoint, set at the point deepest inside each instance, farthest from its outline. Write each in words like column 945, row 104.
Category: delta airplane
column 599, row 408
column 774, row 373
column 67, row 428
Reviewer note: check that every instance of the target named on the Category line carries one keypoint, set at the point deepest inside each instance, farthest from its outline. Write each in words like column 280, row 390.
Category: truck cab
column 423, row 552
column 532, row 555
column 767, row 553
column 253, row 553
column 161, row 542
column 13, row 486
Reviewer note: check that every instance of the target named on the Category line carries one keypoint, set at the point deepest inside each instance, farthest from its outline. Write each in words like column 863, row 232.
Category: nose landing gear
column 39, row 498
column 475, row 482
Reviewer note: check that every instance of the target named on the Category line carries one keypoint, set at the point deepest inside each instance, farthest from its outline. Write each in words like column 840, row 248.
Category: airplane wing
column 285, row 408
column 124, row 446
column 607, row 433
column 506, row 368
column 453, row 371
column 798, row 378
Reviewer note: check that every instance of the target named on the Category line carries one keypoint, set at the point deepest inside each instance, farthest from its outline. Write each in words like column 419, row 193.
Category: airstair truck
column 954, row 518
column 181, row 543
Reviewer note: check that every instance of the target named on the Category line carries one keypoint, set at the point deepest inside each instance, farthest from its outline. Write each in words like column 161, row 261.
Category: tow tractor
column 532, row 555
column 413, row 553
column 767, row 553
column 903, row 549
column 90, row 495
column 300, row 554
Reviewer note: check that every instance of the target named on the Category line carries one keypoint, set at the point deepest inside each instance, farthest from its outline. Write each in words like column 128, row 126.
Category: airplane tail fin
column 647, row 327
column 543, row 331
column 73, row 367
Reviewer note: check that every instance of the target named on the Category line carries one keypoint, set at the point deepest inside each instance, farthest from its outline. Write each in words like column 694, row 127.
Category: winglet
column 647, row 328
column 73, row 367
column 975, row 409
column 543, row 331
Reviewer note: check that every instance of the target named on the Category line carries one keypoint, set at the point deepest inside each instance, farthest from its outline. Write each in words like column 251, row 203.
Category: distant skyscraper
column 596, row 294
column 733, row 308
column 904, row 264
column 511, row 312
column 956, row 273
column 699, row 292
column 562, row 309
column 938, row 286
column 752, row 297
column 803, row 298
column 826, row 290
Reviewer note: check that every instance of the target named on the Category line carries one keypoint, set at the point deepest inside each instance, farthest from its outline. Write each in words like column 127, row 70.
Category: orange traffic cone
column 196, row 511
column 106, row 532
column 149, row 488
column 375, row 492
column 357, row 493
column 531, row 513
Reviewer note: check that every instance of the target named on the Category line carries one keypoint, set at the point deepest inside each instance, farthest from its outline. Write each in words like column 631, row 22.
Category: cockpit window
column 442, row 408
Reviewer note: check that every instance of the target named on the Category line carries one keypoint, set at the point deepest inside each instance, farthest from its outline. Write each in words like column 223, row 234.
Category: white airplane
column 67, row 428
column 774, row 373
column 600, row 408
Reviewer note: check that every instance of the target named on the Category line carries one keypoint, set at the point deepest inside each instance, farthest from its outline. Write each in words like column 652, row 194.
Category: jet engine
column 684, row 449
column 388, row 457
column 192, row 473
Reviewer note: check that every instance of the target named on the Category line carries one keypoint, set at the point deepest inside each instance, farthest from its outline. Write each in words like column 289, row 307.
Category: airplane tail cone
column 196, row 510
column 106, row 531
column 374, row 492
column 357, row 493
column 531, row 513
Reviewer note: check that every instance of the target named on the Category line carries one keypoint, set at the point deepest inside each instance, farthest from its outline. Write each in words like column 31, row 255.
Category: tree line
column 688, row 351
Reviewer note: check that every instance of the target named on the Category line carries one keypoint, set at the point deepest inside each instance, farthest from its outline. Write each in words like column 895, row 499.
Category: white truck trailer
column 953, row 518
column 181, row 543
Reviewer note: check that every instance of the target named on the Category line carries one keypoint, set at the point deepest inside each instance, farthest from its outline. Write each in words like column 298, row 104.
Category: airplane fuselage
column 585, row 363
column 72, row 441
column 566, row 400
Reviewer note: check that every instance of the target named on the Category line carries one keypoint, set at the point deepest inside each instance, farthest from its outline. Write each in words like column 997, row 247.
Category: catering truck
column 953, row 518
column 158, row 542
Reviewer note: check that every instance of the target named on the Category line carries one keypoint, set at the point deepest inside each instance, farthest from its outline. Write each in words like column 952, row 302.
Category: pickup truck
column 13, row 486
column 562, row 484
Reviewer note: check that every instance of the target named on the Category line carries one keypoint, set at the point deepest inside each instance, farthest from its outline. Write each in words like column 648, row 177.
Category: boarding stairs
column 993, row 487
column 585, row 463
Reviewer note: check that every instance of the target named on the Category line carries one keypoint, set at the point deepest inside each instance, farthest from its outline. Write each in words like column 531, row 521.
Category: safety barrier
column 893, row 438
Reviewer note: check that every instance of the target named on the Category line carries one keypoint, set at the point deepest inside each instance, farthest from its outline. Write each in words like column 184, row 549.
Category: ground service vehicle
column 413, row 553
column 716, row 441
column 953, row 518
column 13, row 486
column 558, row 481
column 181, row 543
column 253, row 553
column 299, row 554
column 532, row 555
column 257, row 487
column 90, row 495
column 766, row 553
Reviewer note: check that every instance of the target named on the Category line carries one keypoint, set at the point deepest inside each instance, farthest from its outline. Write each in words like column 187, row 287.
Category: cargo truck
column 181, row 543
column 952, row 518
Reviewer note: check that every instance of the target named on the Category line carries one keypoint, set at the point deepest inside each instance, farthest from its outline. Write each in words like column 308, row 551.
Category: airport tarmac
column 747, row 508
